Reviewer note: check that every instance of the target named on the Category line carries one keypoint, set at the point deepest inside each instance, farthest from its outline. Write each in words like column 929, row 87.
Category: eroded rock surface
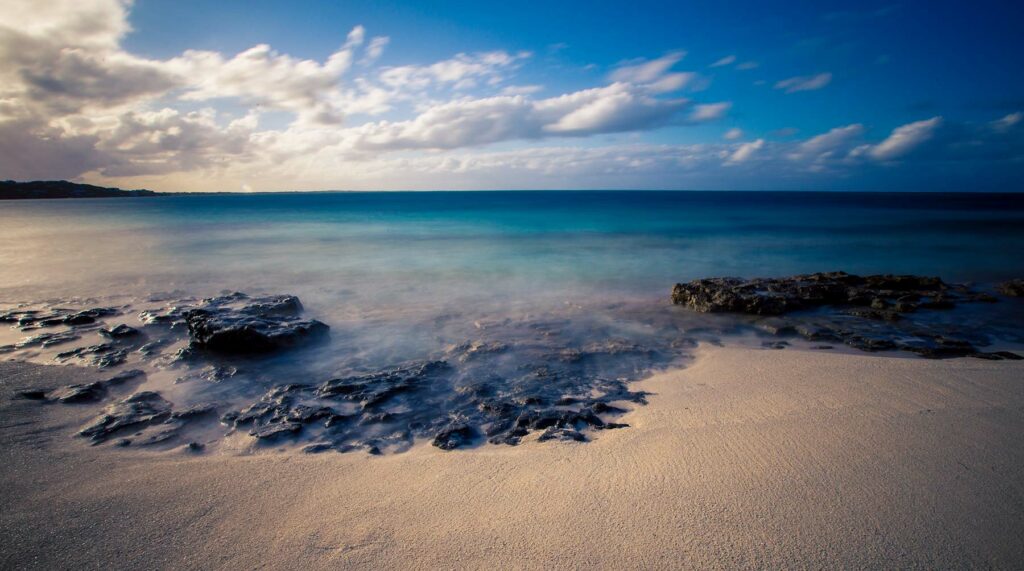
column 870, row 313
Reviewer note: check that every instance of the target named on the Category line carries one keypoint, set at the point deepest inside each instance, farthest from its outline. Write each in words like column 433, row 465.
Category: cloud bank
column 74, row 103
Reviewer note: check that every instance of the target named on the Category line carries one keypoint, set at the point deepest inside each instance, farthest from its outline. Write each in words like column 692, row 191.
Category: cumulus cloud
column 804, row 82
column 654, row 75
column 74, row 103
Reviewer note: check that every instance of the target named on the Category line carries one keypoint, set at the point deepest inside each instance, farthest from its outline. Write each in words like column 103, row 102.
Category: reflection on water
column 525, row 295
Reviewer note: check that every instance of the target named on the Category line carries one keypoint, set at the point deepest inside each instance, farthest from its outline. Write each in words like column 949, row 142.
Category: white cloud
column 825, row 145
column 905, row 139
column 804, row 82
column 646, row 71
column 724, row 61
column 375, row 50
column 733, row 134
column 709, row 111
column 748, row 65
column 1008, row 121
column 744, row 152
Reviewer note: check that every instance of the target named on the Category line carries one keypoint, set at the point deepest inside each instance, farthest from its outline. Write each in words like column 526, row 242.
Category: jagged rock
column 140, row 409
column 997, row 356
column 562, row 434
column 79, row 393
column 775, row 296
column 776, row 326
column 194, row 411
column 47, row 339
column 103, row 355
column 275, row 430
column 1012, row 288
column 375, row 388
column 123, row 377
column 32, row 394
column 268, row 324
column 119, row 332
column 454, row 436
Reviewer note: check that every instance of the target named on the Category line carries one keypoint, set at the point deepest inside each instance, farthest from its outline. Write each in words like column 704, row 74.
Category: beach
column 746, row 458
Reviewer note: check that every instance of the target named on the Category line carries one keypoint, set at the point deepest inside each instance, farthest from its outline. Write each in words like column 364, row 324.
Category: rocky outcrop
column 1012, row 288
column 136, row 411
column 777, row 296
column 262, row 326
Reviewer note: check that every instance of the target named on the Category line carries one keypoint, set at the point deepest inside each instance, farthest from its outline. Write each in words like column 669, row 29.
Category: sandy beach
column 746, row 459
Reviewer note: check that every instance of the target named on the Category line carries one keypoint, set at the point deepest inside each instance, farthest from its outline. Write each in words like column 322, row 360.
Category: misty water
column 560, row 297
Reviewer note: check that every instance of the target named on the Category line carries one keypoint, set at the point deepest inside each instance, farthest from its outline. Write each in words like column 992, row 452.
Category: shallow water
column 548, row 276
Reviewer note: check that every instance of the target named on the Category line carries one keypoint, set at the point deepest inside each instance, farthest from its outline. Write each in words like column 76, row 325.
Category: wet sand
column 747, row 458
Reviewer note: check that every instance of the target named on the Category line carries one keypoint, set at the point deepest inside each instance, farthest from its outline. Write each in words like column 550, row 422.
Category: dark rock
column 195, row 446
column 454, row 436
column 47, row 339
column 103, row 355
column 775, row 344
column 318, row 447
column 119, row 332
column 612, row 425
column 124, row 377
column 241, row 331
column 1012, row 288
column 194, row 411
column 79, row 393
column 562, row 434
column 775, row 296
column 874, row 314
column 376, row 388
column 997, row 356
column 138, row 410
column 32, row 394
column 776, row 326
column 879, row 303
column 275, row 430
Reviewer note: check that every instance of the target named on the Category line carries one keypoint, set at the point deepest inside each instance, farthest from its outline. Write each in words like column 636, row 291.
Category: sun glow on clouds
column 75, row 104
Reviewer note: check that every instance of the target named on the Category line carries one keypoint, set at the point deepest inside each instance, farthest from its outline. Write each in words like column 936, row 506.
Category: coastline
column 746, row 458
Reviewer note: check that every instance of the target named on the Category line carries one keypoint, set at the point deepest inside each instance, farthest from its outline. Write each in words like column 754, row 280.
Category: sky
column 386, row 95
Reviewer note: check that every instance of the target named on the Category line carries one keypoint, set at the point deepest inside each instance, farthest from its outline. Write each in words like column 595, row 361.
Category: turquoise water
column 572, row 288
column 394, row 249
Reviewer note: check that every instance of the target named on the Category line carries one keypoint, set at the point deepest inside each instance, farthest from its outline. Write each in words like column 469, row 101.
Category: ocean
column 404, row 277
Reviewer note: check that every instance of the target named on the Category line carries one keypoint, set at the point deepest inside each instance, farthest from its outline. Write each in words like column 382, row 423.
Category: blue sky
column 378, row 95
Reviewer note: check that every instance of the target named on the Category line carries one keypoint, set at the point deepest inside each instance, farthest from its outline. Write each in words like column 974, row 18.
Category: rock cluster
column 238, row 324
column 870, row 313
column 776, row 296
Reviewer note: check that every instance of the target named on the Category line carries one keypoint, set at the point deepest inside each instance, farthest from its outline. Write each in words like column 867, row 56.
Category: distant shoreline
column 59, row 189
column 55, row 189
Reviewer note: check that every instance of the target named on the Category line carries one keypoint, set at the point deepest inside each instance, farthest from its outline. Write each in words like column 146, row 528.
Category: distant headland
column 12, row 190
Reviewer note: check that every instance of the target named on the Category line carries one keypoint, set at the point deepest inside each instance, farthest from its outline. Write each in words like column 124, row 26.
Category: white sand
column 749, row 458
